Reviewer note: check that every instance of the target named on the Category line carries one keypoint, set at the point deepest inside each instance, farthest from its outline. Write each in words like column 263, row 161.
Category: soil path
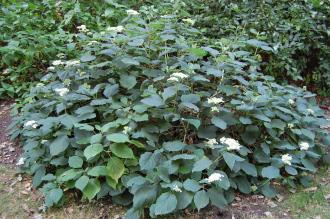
column 9, row 150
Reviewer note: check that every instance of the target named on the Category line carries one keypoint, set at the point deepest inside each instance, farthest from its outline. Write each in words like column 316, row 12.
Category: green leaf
column 217, row 198
column 115, row 168
column 201, row 165
column 153, row 100
column 194, row 122
column 191, row 185
column 251, row 134
column 270, row 172
column 56, row 195
column 92, row 188
column 291, row 170
column 169, row 92
column 137, row 143
column 268, row 191
column 190, row 98
column 184, row 199
column 75, row 162
column 87, row 57
column 145, row 196
column 82, row 182
column 130, row 61
column 98, row 171
column 165, row 204
column 127, row 81
column 69, row 175
column 122, row 151
column 249, row 168
column 148, row 161
column 93, row 150
column 231, row 158
column 174, row 145
column 201, row 199
column 198, row 52
column 118, row 138
column 219, row 123
column 59, row 145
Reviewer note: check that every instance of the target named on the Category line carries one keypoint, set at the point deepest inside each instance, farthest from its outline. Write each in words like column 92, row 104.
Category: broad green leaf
column 115, row 168
column 165, row 204
column 98, row 171
column 87, row 57
column 92, row 188
column 219, row 123
column 251, row 134
column 197, row 52
column 122, row 151
column 169, row 92
column 201, row 199
column 127, row 81
column 145, row 196
column 194, row 122
column 191, row 185
column 174, row 145
column 231, row 158
column 217, row 198
column 82, row 182
column 59, row 145
column 153, row 100
column 69, row 175
column 93, row 150
column 249, row 168
column 130, row 61
column 75, row 162
column 118, row 138
column 202, row 164
column 270, row 172
column 184, row 199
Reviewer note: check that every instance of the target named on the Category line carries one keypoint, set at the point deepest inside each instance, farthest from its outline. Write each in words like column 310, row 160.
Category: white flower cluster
column 72, row 63
column 31, row 123
column 291, row 102
column 214, row 177
column 20, row 161
column 82, row 28
column 127, row 130
column 132, row 12
column 58, row 62
column 290, row 126
column 175, row 77
column 232, row 144
column 40, row 85
column 117, row 29
column 62, row 91
column 43, row 141
column 211, row 142
column 310, row 111
column 176, row 188
column 51, row 68
column 215, row 109
column 214, row 100
column 189, row 21
column 286, row 159
column 304, row 146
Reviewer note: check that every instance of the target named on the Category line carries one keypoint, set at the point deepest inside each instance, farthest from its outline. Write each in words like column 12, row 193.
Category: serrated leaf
column 93, row 150
column 201, row 164
column 165, row 204
column 115, row 168
column 270, row 172
column 201, row 199
column 59, row 145
column 122, row 151
column 75, row 162
column 153, row 100
column 118, row 138
column 127, row 81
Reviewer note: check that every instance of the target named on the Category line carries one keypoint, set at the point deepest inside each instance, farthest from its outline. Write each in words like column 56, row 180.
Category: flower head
column 176, row 188
column 173, row 79
column 62, row 91
column 82, row 28
column 286, row 159
column 232, row 143
column 51, row 68
column 214, row 177
column 291, row 102
column 179, row 75
column 31, row 123
column 304, row 145
column 215, row 109
column 57, row 62
column 214, row 100
column 132, row 12
column 189, row 21
column 310, row 111
column 290, row 125
column 43, row 141
column 117, row 29
column 127, row 130
column 72, row 63
column 20, row 161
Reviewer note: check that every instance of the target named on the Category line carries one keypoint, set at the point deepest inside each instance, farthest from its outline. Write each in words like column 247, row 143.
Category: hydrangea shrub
column 155, row 120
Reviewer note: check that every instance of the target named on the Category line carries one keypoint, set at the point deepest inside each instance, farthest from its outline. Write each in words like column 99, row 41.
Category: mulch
column 9, row 150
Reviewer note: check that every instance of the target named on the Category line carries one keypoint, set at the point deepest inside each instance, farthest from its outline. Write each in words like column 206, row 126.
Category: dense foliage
column 157, row 118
